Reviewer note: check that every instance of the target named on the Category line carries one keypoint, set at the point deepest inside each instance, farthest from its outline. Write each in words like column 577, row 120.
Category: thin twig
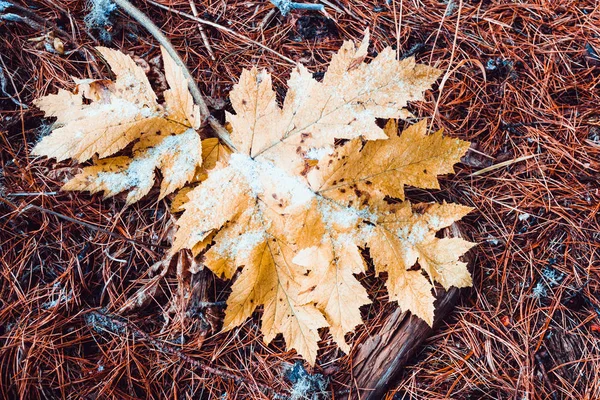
column 77, row 221
column 202, row 32
column 3, row 85
column 102, row 321
column 28, row 194
column 500, row 165
column 154, row 30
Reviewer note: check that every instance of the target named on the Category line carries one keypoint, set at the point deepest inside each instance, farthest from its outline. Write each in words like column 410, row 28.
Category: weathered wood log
column 379, row 361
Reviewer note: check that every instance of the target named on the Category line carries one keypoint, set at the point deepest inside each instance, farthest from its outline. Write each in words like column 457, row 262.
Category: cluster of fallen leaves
column 287, row 205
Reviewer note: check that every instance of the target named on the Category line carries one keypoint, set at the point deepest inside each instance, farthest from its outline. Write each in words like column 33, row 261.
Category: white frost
column 524, row 216
column 435, row 222
column 318, row 153
column 263, row 176
column 140, row 172
column 240, row 246
column 415, row 235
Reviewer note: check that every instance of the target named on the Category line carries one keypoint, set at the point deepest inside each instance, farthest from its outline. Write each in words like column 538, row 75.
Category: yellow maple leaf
column 273, row 208
column 119, row 113
column 176, row 156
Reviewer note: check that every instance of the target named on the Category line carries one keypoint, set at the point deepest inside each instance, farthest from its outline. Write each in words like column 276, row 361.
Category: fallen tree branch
column 101, row 321
column 155, row 31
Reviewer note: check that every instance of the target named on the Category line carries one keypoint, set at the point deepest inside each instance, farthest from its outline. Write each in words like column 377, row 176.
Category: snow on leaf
column 269, row 209
column 176, row 156
column 213, row 152
column 113, row 115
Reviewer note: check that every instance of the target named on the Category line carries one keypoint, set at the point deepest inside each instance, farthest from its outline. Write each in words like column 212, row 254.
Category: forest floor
column 521, row 82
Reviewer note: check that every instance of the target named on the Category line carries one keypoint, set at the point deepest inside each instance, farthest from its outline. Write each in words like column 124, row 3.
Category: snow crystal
column 492, row 240
column 435, row 222
column 100, row 18
column 240, row 246
column 524, row 216
column 318, row 153
column 415, row 235
column 146, row 112
column 122, row 109
column 11, row 17
column 539, row 291
column 366, row 232
column 306, row 386
column 261, row 174
column 342, row 216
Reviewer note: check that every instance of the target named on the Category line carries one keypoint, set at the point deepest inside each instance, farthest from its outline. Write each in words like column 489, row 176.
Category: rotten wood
column 379, row 361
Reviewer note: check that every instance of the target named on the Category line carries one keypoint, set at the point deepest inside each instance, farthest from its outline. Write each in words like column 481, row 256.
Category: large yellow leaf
column 289, row 208
column 103, row 117
column 298, row 246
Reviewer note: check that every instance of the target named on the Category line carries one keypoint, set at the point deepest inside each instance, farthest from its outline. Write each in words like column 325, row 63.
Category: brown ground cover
column 521, row 83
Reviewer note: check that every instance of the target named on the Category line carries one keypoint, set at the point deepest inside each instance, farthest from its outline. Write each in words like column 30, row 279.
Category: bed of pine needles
column 521, row 82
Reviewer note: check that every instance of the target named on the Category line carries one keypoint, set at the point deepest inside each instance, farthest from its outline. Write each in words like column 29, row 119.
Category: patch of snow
column 146, row 112
column 240, row 246
column 263, row 175
column 140, row 172
column 414, row 235
column 366, row 231
column 123, row 110
column 12, row 18
column 306, row 386
column 524, row 216
column 492, row 240
column 435, row 222
column 318, row 153
column 539, row 291
column 342, row 216
column 4, row 5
